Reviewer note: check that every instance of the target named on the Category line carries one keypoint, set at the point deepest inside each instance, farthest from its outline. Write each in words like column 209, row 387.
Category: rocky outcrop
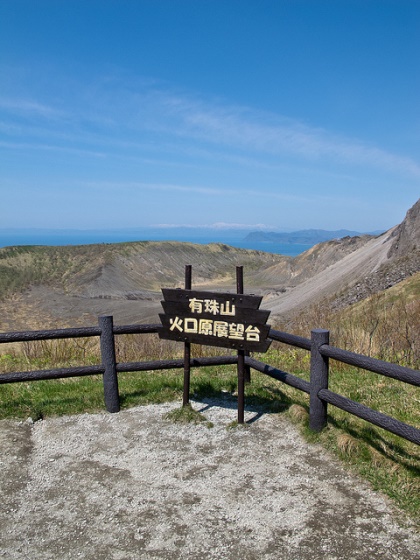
column 348, row 270
column 406, row 236
column 403, row 260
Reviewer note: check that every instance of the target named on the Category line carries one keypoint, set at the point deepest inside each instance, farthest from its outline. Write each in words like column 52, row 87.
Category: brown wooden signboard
column 215, row 319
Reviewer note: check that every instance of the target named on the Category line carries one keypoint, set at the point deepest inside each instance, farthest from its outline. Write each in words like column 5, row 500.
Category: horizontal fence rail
column 317, row 388
column 290, row 339
column 176, row 364
column 373, row 416
column 278, row 374
column 61, row 373
column 387, row 369
column 81, row 332
column 81, row 371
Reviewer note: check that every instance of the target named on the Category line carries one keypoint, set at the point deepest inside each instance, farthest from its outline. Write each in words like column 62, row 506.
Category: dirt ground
column 134, row 485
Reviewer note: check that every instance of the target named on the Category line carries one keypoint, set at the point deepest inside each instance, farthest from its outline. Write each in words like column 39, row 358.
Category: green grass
column 390, row 463
column 187, row 415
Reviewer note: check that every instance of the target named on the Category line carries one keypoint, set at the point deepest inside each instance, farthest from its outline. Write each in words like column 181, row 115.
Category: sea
column 10, row 238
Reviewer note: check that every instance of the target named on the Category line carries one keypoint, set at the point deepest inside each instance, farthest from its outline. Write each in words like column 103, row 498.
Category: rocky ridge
column 348, row 270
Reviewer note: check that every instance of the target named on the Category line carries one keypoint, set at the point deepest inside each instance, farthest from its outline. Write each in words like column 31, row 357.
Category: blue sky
column 281, row 114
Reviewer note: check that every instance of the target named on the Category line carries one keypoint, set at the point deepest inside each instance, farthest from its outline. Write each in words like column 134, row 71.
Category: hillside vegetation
column 75, row 284
column 385, row 325
column 106, row 269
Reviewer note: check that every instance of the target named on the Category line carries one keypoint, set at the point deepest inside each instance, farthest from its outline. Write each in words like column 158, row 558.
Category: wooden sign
column 215, row 319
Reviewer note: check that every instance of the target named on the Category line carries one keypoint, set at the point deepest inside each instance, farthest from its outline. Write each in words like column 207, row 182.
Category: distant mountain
column 305, row 236
column 57, row 237
column 239, row 236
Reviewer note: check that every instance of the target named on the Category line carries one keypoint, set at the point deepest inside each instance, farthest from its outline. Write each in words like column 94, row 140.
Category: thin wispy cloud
column 123, row 114
column 241, row 128
column 51, row 148
column 194, row 189
column 153, row 187
column 244, row 129
column 29, row 107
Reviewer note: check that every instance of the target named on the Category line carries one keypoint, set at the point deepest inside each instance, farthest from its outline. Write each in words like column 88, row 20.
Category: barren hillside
column 53, row 285
column 73, row 285
column 350, row 269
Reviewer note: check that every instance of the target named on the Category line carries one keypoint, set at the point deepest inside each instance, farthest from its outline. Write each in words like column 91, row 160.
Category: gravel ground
column 133, row 485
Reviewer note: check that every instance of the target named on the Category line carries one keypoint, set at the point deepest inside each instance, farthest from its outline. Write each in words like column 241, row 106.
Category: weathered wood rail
column 317, row 388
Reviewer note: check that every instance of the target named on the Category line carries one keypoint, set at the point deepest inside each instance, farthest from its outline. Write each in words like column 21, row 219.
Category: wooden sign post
column 215, row 319
column 187, row 346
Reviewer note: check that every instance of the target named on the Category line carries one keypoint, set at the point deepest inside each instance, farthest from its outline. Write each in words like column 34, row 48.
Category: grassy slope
column 386, row 325
column 23, row 266
column 138, row 265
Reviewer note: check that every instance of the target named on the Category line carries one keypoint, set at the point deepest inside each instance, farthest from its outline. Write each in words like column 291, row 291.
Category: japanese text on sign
column 213, row 318
column 211, row 306
column 208, row 327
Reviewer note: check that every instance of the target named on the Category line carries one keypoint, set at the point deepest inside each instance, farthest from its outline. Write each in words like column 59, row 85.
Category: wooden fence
column 317, row 388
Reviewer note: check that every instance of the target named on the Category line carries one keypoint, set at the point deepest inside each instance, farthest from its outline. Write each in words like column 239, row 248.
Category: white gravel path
column 133, row 485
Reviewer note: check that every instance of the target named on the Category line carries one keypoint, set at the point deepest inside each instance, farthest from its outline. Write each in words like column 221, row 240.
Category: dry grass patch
column 347, row 444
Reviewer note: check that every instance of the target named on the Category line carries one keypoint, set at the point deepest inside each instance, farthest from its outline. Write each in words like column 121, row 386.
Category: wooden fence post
column 241, row 354
column 240, row 290
column 110, row 378
column 187, row 346
column 318, row 380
